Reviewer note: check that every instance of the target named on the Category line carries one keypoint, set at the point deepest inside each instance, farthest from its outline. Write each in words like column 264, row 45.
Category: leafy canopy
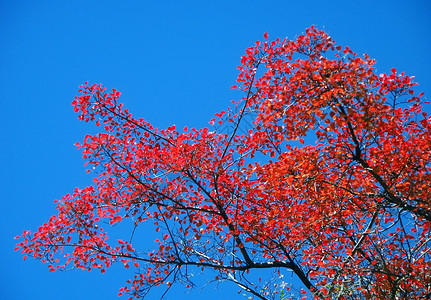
column 322, row 168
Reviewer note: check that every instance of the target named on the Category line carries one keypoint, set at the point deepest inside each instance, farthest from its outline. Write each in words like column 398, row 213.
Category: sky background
column 174, row 62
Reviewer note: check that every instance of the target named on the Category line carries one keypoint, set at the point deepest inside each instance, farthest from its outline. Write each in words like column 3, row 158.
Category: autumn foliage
column 321, row 169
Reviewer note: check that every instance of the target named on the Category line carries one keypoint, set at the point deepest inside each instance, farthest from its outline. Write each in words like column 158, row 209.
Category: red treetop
column 323, row 168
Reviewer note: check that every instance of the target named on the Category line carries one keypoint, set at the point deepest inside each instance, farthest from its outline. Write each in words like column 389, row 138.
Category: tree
column 322, row 168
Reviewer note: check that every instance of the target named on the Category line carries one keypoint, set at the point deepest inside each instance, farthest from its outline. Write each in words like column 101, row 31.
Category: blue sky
column 174, row 62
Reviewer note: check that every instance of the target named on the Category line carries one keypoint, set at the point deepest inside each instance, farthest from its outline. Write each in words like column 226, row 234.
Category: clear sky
column 174, row 62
